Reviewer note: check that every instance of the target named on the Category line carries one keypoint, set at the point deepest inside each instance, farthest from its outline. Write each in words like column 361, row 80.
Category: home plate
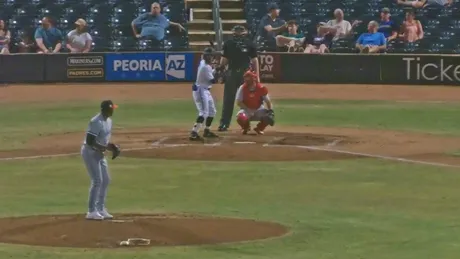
column 244, row 142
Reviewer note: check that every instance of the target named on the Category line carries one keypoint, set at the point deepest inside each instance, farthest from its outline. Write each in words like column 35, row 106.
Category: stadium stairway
column 201, row 24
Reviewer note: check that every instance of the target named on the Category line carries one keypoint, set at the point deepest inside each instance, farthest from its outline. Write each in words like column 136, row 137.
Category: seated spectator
column 425, row 3
column 48, row 38
column 292, row 38
column 153, row 24
column 5, row 38
column 339, row 27
column 319, row 42
column 78, row 40
column 371, row 41
column 26, row 44
column 387, row 26
column 271, row 25
column 411, row 29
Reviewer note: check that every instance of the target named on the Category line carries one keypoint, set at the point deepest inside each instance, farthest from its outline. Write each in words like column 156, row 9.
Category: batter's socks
column 209, row 122
column 197, row 125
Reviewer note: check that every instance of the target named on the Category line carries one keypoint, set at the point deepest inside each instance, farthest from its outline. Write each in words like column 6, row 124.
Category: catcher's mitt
column 115, row 150
column 269, row 118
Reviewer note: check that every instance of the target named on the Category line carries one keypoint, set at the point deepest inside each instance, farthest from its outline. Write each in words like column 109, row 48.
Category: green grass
column 381, row 210
column 351, row 209
column 33, row 120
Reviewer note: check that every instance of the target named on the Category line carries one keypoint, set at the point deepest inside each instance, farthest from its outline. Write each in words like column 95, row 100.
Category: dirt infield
column 160, row 230
column 281, row 143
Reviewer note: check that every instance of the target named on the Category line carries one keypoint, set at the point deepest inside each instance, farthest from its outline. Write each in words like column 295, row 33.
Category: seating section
column 441, row 24
column 109, row 21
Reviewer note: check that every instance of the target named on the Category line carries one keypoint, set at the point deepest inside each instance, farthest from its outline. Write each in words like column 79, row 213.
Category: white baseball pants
column 204, row 102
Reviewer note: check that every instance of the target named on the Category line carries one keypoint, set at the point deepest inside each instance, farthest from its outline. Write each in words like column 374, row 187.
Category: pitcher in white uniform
column 202, row 97
column 96, row 142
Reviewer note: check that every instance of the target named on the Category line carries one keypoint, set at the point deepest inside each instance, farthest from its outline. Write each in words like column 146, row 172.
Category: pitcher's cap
column 108, row 104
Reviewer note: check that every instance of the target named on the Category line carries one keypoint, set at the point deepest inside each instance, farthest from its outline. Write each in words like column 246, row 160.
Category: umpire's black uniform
column 238, row 51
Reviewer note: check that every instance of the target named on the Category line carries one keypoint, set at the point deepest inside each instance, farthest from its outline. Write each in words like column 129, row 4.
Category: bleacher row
column 441, row 25
column 109, row 21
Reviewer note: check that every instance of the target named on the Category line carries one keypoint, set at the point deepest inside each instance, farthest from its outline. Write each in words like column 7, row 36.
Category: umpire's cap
column 108, row 105
column 239, row 29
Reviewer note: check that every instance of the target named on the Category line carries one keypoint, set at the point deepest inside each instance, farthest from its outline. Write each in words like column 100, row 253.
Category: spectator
column 339, row 27
column 271, row 25
column 5, row 37
column 424, row 3
column 292, row 38
column 48, row 38
column 371, row 41
column 319, row 42
column 387, row 26
column 26, row 44
column 153, row 24
column 79, row 40
column 411, row 29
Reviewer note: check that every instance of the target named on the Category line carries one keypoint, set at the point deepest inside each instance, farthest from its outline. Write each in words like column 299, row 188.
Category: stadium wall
column 275, row 67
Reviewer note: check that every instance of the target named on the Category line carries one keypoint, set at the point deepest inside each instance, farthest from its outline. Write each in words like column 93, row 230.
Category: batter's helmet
column 208, row 53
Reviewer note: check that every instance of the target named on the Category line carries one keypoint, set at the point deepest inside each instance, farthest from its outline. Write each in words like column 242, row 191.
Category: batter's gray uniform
column 95, row 162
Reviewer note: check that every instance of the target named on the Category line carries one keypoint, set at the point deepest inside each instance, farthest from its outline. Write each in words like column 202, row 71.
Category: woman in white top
column 5, row 37
column 78, row 40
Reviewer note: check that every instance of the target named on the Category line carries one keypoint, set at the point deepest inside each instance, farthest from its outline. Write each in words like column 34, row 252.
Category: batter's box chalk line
column 324, row 149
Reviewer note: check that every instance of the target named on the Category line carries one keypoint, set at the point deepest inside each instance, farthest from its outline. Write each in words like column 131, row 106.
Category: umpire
column 240, row 53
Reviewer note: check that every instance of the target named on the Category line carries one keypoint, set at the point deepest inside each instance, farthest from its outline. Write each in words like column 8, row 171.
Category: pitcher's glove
column 270, row 117
column 115, row 150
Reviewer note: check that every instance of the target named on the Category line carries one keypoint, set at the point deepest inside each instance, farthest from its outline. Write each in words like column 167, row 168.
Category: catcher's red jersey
column 254, row 98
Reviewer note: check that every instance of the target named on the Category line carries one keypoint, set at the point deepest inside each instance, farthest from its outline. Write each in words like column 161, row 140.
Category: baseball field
column 348, row 171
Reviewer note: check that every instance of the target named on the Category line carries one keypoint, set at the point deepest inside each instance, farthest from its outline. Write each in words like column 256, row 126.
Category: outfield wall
column 275, row 67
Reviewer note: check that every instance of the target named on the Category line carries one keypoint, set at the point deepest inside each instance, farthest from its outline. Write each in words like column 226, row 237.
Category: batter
column 97, row 141
column 203, row 98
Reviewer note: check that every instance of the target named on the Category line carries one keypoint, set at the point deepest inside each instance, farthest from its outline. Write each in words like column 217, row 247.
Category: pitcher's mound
column 161, row 230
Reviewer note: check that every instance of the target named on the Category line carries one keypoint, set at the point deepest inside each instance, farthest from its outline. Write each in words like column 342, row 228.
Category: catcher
column 251, row 97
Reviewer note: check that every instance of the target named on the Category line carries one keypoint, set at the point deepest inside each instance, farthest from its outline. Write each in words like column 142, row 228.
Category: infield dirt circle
column 161, row 230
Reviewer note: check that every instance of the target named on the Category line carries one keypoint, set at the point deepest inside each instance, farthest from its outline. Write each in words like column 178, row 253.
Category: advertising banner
column 270, row 67
column 308, row 68
column 421, row 69
column 74, row 68
column 135, row 67
column 180, row 67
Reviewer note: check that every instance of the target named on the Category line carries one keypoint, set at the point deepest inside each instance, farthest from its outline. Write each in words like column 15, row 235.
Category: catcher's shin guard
column 243, row 121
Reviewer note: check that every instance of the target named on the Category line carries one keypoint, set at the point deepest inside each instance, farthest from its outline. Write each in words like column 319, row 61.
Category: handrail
column 217, row 24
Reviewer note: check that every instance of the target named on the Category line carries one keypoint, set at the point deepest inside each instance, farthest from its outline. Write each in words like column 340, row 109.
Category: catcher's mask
column 250, row 77
column 208, row 54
